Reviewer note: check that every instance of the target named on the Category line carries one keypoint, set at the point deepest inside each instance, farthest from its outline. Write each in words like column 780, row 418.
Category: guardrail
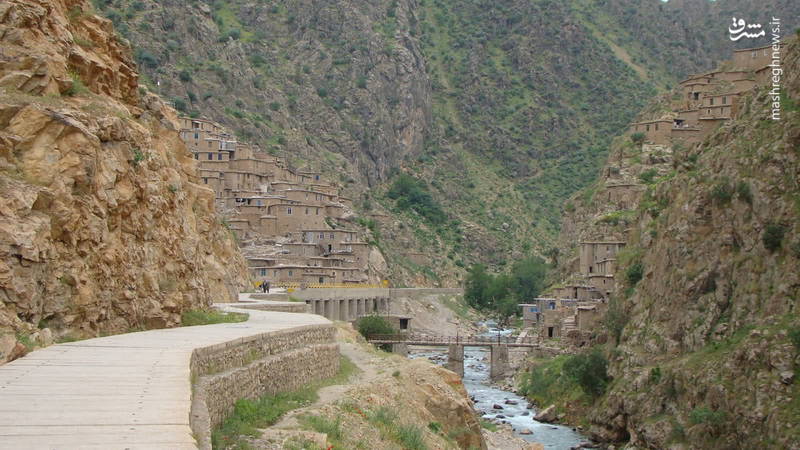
column 324, row 286
column 425, row 339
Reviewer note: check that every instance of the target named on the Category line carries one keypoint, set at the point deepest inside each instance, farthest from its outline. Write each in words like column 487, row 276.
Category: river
column 476, row 381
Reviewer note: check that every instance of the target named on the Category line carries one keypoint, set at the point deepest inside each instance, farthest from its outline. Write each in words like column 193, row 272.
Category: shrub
column 744, row 192
column 361, row 82
column 794, row 337
column 412, row 194
column 185, row 76
column 655, row 375
column 704, row 415
column 648, row 176
column 77, row 87
column 322, row 92
column 180, row 105
column 233, row 33
column 374, row 324
column 589, row 370
column 615, row 320
column 274, row 106
column 634, row 273
column 722, row 192
column 146, row 58
column 773, row 236
column 637, row 138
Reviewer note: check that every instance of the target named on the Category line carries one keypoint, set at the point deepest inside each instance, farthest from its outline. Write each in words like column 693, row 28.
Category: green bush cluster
column 589, row 370
column 634, row 273
column 375, row 324
column 773, row 236
column 412, row 194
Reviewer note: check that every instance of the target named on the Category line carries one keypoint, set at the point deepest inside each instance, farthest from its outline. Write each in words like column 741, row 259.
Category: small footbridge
column 498, row 346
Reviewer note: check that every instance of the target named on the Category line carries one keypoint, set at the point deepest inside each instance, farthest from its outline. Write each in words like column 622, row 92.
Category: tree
column 528, row 277
column 476, row 286
column 506, row 308
column 375, row 324
column 589, row 370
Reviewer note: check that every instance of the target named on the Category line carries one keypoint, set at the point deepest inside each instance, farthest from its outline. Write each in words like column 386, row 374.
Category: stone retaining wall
column 268, row 363
column 241, row 352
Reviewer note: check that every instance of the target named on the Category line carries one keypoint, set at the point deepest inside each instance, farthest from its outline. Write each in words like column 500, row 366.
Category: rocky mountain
column 704, row 337
column 102, row 225
column 499, row 110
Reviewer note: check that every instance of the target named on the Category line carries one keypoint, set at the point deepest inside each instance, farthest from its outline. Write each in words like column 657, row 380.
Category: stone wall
column 268, row 363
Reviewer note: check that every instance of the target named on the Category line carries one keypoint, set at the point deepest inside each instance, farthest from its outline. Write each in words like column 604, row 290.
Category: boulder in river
column 525, row 413
column 526, row 432
column 496, row 406
column 547, row 415
column 511, row 402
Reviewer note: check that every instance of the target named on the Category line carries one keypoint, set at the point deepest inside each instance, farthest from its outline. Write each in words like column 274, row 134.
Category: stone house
column 285, row 210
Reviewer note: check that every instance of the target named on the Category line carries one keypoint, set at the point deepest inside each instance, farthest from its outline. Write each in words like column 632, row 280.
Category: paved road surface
column 125, row 391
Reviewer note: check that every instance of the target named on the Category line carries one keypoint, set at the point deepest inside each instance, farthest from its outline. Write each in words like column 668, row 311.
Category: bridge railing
column 447, row 340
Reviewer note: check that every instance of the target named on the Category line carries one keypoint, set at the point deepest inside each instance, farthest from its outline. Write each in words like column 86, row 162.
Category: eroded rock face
column 102, row 225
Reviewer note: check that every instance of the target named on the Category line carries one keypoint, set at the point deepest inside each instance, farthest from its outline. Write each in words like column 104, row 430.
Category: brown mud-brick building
column 286, row 211
column 709, row 99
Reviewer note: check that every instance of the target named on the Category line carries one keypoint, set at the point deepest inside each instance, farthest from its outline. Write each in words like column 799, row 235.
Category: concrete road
column 129, row 391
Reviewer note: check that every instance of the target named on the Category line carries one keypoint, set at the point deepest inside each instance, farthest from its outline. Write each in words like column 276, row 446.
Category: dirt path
column 370, row 366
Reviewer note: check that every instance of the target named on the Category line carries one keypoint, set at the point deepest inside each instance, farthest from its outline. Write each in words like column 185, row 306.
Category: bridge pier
column 400, row 348
column 499, row 361
column 455, row 359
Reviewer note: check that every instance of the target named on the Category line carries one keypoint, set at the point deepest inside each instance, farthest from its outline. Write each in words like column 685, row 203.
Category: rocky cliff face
column 102, row 226
column 708, row 347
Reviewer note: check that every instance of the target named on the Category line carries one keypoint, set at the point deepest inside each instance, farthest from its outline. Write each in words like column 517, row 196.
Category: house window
column 696, row 95
column 290, row 273
column 288, row 210
column 276, row 273
column 316, row 177
column 306, row 211
column 656, row 127
column 648, row 128
column 711, row 101
column 322, row 235
column 209, row 144
column 196, row 136
column 219, row 156
column 205, row 180
column 317, row 211
column 196, row 156
column 551, row 305
column 263, row 272
column 210, row 156
column 724, row 100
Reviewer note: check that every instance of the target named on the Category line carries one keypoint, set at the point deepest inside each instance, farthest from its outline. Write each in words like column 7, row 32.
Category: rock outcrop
column 102, row 225
column 705, row 311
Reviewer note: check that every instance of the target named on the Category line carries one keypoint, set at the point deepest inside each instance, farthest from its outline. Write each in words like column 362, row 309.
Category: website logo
column 740, row 29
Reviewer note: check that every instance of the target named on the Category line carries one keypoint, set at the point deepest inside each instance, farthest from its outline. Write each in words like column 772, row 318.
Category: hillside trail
column 370, row 366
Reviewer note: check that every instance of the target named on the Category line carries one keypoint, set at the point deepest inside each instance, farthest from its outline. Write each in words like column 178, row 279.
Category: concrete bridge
column 498, row 347
column 348, row 304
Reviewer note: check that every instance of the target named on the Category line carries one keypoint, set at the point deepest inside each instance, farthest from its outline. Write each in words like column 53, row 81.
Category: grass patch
column 409, row 436
column 250, row 415
column 203, row 317
column 486, row 425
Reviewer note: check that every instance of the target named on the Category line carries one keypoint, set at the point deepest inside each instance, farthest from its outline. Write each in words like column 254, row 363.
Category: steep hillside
column 501, row 109
column 102, row 227
column 709, row 336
